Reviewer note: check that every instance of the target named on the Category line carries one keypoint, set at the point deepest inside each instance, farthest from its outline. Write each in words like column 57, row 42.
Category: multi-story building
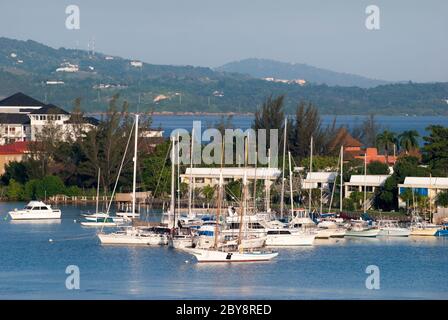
column 22, row 118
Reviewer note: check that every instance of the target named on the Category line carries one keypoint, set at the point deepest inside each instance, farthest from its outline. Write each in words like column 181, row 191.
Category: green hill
column 27, row 66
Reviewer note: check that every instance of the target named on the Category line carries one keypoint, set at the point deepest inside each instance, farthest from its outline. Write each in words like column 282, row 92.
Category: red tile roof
column 18, row 147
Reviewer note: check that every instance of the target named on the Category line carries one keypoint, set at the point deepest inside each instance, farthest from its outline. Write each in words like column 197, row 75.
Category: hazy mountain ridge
column 27, row 66
column 263, row 68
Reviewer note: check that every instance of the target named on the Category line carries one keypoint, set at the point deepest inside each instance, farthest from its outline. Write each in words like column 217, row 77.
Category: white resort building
column 319, row 180
column 23, row 117
column 423, row 186
column 210, row 176
column 370, row 182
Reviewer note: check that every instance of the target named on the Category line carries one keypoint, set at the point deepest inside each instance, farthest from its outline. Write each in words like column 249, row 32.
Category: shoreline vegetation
column 54, row 166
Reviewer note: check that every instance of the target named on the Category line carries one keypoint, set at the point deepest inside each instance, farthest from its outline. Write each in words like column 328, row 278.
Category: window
column 59, row 117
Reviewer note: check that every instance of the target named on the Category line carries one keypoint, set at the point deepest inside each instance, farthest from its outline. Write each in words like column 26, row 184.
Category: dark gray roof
column 50, row 109
column 14, row 118
column 20, row 99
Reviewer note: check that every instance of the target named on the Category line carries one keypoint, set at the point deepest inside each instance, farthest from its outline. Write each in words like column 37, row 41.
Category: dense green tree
column 14, row 191
column 17, row 171
column 270, row 116
column 386, row 141
column 156, row 170
column 233, row 190
column 442, row 199
column 376, row 167
column 435, row 150
column 208, row 193
column 408, row 140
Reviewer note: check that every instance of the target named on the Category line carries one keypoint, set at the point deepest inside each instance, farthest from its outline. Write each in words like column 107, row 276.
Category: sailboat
column 290, row 236
column 222, row 252
column 135, row 235
column 182, row 237
column 100, row 219
column 329, row 225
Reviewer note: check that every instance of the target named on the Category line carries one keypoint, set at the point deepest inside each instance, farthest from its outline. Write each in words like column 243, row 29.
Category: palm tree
column 442, row 199
column 408, row 140
column 386, row 140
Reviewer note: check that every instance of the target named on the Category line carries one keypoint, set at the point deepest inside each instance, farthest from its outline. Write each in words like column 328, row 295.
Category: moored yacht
column 289, row 237
column 35, row 210
column 361, row 229
column 136, row 236
column 204, row 255
column 391, row 228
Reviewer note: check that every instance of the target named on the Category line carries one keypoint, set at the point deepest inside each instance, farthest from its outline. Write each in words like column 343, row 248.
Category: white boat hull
column 181, row 243
column 222, row 256
column 369, row 233
column 293, row 239
column 132, row 239
column 423, row 232
column 99, row 224
column 127, row 214
column 394, row 232
column 330, row 233
column 25, row 215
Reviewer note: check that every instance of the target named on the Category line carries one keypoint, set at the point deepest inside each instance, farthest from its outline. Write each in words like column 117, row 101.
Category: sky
column 411, row 43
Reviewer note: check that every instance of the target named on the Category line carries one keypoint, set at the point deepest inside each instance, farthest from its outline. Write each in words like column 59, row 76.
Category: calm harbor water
column 31, row 267
column 397, row 124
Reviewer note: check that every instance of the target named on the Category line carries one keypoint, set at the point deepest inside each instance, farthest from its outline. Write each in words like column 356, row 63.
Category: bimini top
column 36, row 204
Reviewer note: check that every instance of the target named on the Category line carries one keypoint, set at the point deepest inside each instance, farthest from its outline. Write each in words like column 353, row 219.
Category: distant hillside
column 30, row 67
column 264, row 68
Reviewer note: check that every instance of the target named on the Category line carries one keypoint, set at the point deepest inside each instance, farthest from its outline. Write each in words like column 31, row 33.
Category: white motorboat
column 288, row 237
column 135, row 236
column 329, row 229
column 391, row 228
column 361, row 229
column 35, row 210
column 204, row 255
column 180, row 241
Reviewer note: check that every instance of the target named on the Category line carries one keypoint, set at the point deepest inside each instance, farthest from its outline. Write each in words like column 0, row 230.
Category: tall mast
column 178, row 176
column 290, row 184
column 283, row 169
column 220, row 194
column 173, row 159
column 255, row 182
column 190, row 184
column 342, row 179
column 311, row 170
column 365, row 182
column 267, row 191
column 98, row 190
column 134, row 179
column 244, row 196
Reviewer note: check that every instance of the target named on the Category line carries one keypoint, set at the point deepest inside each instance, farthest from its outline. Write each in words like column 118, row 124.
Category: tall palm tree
column 386, row 140
column 408, row 140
